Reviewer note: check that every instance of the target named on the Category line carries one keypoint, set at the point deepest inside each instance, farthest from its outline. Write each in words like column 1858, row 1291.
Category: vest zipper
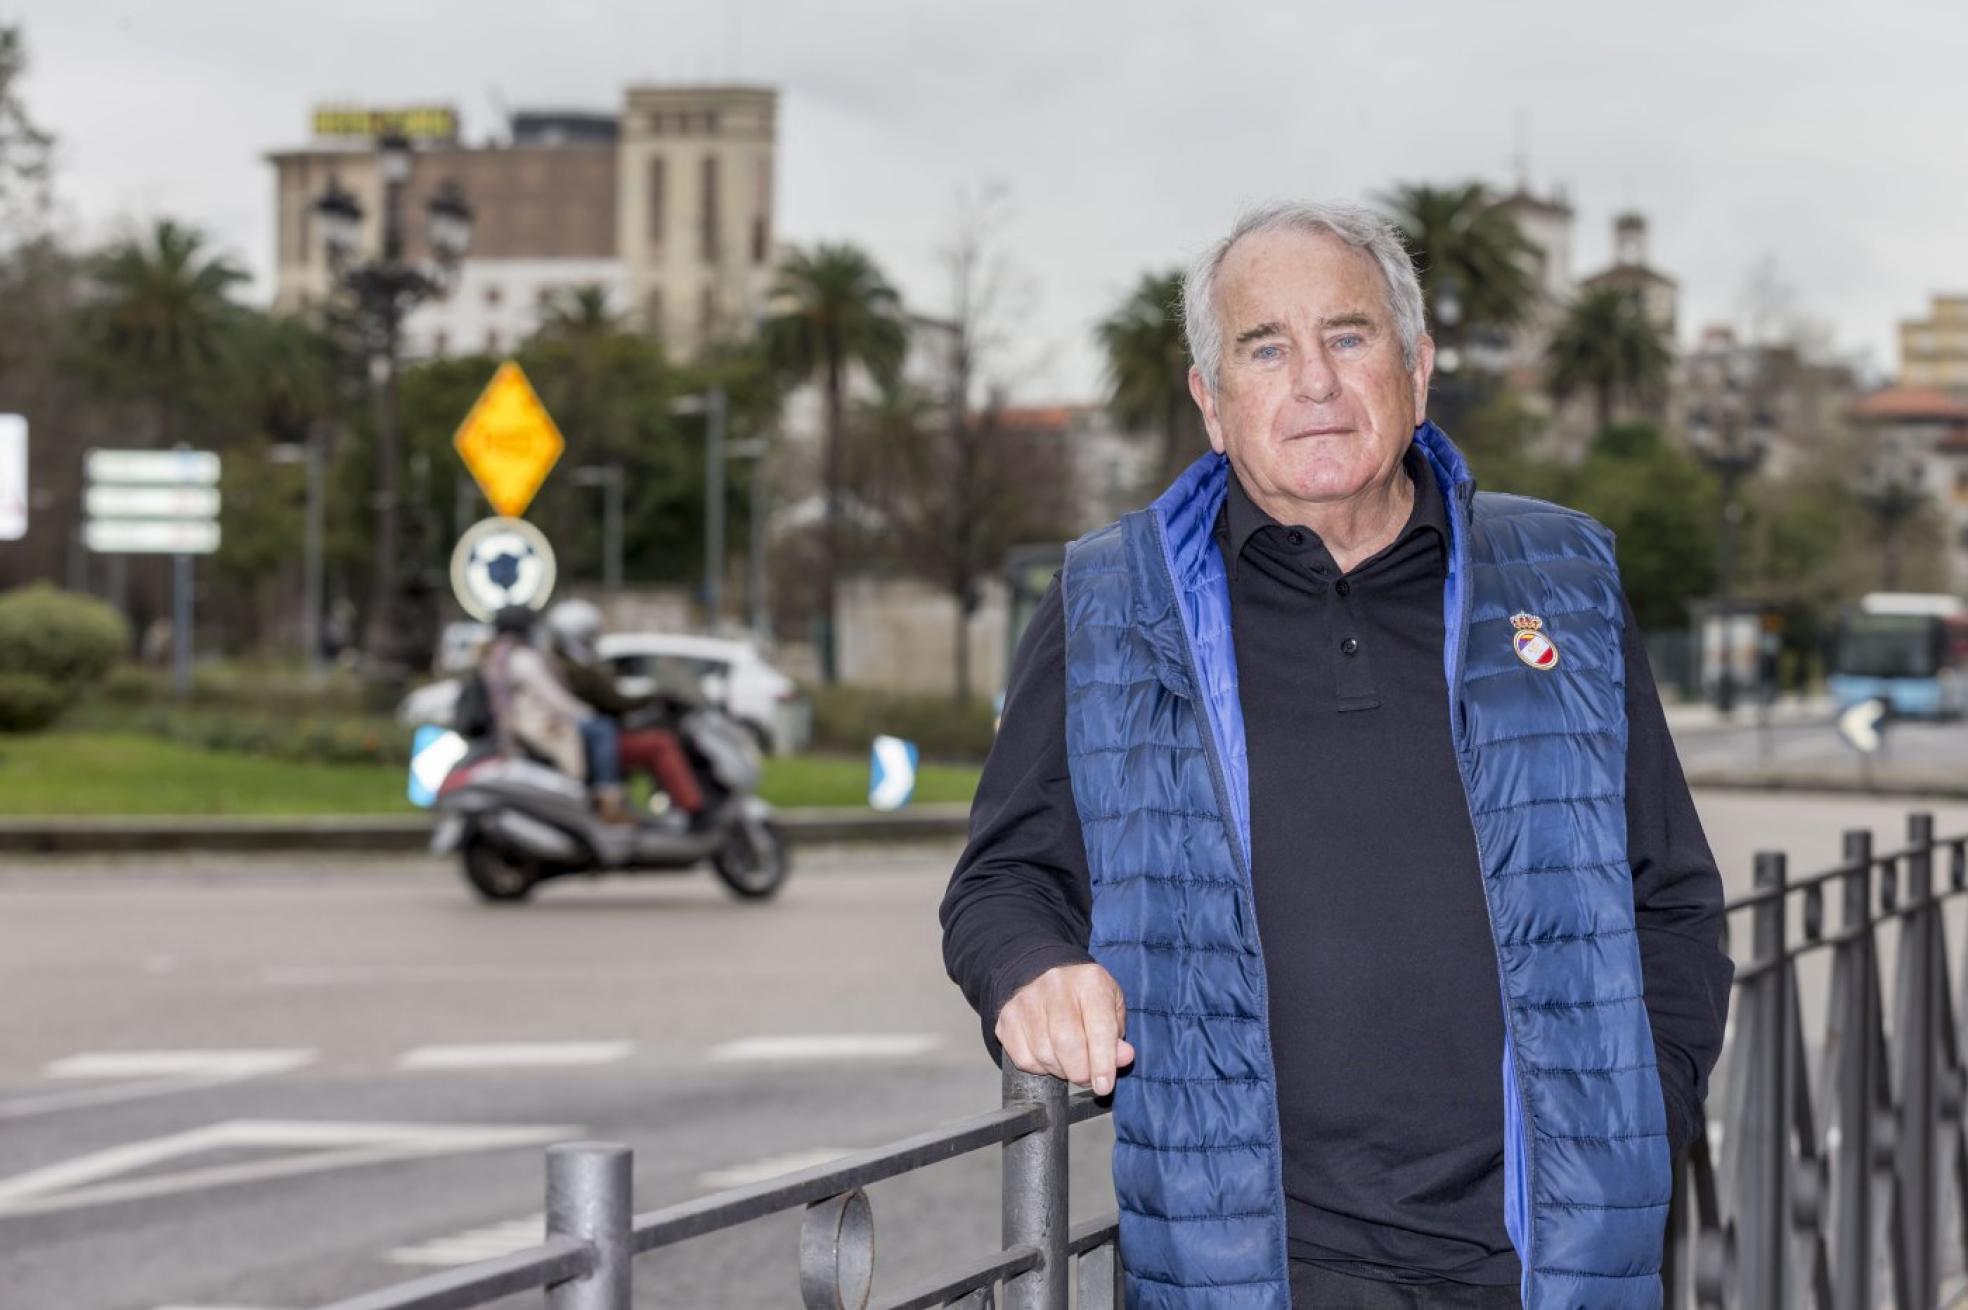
column 1459, row 552
column 1212, row 756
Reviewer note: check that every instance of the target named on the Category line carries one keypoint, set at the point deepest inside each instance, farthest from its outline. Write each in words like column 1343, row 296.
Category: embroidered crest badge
column 1531, row 643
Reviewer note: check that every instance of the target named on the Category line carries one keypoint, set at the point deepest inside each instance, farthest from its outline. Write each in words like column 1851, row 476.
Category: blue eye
column 1268, row 352
column 1348, row 342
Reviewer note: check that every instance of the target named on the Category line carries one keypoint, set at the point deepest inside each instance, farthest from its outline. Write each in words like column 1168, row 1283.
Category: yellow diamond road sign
column 509, row 441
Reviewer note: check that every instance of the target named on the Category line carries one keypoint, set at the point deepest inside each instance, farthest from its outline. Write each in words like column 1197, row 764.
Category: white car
column 730, row 674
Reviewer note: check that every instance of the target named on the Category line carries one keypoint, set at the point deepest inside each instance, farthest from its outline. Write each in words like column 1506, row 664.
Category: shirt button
column 1349, row 647
column 1343, row 587
column 1295, row 537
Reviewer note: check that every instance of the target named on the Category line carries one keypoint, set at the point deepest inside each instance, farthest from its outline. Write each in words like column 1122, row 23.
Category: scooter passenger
column 534, row 709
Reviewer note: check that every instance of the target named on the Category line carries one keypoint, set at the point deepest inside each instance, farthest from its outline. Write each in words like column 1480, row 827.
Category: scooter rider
column 573, row 626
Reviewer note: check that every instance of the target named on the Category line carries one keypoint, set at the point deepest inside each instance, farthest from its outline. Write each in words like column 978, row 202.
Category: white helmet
column 574, row 623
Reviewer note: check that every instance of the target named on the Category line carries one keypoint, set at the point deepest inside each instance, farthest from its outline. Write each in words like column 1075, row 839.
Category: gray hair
column 1357, row 227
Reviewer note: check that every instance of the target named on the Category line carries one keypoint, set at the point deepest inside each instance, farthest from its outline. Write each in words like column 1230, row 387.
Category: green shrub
column 28, row 703
column 68, row 641
column 846, row 719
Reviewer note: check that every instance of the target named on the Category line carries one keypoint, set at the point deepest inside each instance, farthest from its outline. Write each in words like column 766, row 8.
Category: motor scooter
column 516, row 821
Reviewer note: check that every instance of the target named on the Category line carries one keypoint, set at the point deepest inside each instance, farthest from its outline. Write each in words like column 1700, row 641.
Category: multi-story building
column 666, row 207
column 694, row 209
column 1934, row 350
column 1546, row 225
column 1631, row 272
column 1918, row 437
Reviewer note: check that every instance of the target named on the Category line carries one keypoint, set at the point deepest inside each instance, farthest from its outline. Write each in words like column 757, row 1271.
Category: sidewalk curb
column 1831, row 785
column 402, row 834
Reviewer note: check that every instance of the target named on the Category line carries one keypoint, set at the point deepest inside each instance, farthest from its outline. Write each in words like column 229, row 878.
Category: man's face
column 1313, row 404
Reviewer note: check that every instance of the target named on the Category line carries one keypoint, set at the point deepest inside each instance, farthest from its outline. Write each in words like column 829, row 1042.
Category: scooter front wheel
column 496, row 876
column 754, row 861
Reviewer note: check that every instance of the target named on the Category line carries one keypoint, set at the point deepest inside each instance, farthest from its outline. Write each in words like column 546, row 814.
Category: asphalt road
column 1916, row 751
column 269, row 1084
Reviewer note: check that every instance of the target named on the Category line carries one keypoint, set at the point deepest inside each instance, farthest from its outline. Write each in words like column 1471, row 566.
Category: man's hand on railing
column 1068, row 1022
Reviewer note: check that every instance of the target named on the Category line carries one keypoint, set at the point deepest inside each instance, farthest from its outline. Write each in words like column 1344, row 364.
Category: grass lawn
column 86, row 773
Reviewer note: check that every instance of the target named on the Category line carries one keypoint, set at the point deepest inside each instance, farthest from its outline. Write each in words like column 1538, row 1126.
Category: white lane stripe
column 827, row 1046
column 474, row 1244
column 778, row 1166
column 317, row 1147
column 514, row 1055
column 180, row 1064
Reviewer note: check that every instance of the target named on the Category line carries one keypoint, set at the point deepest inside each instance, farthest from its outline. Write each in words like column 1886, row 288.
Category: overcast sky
column 1832, row 147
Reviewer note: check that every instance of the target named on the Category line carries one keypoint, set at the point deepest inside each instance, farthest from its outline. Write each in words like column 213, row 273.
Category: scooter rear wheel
column 494, row 875
column 754, row 861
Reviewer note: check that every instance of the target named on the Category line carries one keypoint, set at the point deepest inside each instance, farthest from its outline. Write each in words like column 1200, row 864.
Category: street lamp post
column 309, row 455
column 609, row 478
column 1730, row 439
column 385, row 289
column 711, row 404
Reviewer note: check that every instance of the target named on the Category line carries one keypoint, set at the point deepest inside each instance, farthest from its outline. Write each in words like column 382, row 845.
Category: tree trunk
column 1603, row 400
column 830, row 567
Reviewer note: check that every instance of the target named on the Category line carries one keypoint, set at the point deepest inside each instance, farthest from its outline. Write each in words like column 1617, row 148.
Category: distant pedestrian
column 1335, row 828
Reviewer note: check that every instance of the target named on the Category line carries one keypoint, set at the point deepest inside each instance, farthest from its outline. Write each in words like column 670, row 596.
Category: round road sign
column 499, row 563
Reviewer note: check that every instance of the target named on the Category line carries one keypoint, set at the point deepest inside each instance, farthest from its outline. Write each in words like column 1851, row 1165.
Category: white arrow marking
column 514, row 1055
column 833, row 1046
column 320, row 1147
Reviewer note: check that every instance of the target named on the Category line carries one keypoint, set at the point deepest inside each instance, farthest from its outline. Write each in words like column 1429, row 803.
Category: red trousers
column 658, row 753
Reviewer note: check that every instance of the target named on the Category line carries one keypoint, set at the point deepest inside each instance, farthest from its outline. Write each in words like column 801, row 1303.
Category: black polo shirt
column 1386, row 1016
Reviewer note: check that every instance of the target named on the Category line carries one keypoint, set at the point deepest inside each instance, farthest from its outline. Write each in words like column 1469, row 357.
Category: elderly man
column 1335, row 829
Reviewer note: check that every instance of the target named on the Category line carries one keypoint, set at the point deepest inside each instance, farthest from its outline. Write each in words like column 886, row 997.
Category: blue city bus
column 1907, row 649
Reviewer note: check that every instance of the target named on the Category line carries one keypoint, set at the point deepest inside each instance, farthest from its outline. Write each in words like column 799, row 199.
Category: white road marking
column 514, row 1055
column 315, row 1147
column 827, row 1046
column 155, row 1073
column 778, row 1166
column 474, row 1244
column 180, row 1064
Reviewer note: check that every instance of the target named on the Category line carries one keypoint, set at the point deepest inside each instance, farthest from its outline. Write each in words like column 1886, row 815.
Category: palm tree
column 834, row 310
column 161, row 319
column 580, row 313
column 1459, row 232
column 1148, row 367
column 1608, row 345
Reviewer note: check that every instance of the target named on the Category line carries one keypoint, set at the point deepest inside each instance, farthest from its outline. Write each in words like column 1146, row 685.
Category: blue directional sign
column 432, row 753
column 892, row 773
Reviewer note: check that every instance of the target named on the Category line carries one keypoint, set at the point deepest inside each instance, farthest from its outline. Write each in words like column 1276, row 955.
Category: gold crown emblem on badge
column 1526, row 622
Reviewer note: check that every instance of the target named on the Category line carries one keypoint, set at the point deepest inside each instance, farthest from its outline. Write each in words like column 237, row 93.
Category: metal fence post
column 1854, row 1046
column 1035, row 1193
column 1764, row 1192
column 1916, row 1163
column 589, row 1198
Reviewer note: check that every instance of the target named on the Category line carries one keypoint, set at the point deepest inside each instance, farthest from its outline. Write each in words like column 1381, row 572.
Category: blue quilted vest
column 1156, row 742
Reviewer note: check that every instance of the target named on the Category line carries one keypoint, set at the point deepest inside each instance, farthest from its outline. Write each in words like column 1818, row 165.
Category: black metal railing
column 1827, row 1190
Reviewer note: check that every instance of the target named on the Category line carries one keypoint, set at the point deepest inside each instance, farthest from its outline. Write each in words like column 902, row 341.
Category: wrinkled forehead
column 1290, row 275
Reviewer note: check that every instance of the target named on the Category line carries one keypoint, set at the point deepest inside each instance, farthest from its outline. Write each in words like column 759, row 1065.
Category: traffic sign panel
column 155, row 467
column 13, row 477
column 152, row 536
column 156, row 502
column 509, row 441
